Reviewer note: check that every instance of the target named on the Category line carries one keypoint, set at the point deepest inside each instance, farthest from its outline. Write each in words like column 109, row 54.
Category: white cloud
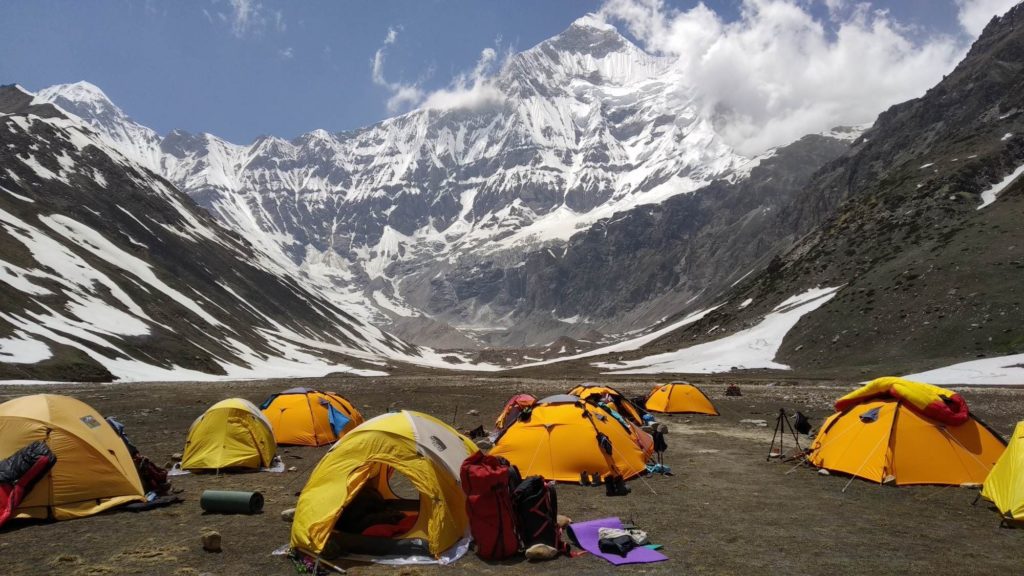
column 470, row 90
column 778, row 73
column 403, row 96
column 246, row 16
column 473, row 89
column 975, row 14
column 286, row 53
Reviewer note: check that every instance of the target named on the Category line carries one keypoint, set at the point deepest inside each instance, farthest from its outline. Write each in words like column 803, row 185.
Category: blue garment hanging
column 337, row 419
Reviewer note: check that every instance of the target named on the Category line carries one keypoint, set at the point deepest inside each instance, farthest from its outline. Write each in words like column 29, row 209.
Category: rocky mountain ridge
column 108, row 271
column 922, row 255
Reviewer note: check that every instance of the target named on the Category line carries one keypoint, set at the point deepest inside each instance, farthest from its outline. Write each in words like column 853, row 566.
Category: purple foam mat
column 586, row 535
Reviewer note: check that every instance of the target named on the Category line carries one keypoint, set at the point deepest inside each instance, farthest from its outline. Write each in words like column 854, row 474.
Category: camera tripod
column 782, row 424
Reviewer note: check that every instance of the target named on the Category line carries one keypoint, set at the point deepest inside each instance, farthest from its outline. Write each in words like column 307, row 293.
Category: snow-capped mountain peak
column 590, row 125
column 89, row 103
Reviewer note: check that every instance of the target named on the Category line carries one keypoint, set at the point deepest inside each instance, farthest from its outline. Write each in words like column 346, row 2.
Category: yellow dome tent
column 94, row 471
column 231, row 434
column 679, row 398
column 304, row 417
column 562, row 438
column 884, row 440
column 1004, row 485
column 423, row 449
column 594, row 393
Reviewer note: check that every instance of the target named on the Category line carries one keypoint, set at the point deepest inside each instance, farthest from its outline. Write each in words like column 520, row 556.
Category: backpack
column 488, row 481
column 803, row 425
column 536, row 511
column 153, row 477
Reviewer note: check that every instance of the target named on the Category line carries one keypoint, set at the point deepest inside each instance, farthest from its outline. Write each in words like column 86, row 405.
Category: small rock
column 484, row 443
column 473, row 413
column 824, row 472
column 176, row 457
column 562, row 520
column 288, row 515
column 211, row 541
column 292, row 468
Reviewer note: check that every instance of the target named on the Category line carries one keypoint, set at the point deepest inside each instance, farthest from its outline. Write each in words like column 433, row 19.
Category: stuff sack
column 487, row 482
column 536, row 512
column 20, row 472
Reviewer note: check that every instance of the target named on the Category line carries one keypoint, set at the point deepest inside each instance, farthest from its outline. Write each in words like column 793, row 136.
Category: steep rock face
column 578, row 128
column 636, row 268
column 108, row 271
column 927, row 241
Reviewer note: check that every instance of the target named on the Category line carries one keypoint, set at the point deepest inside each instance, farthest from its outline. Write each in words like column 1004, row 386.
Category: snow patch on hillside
column 751, row 348
column 989, row 196
column 1001, row 371
column 23, row 350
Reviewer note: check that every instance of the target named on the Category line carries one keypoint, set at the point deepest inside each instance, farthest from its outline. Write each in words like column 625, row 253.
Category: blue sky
column 242, row 68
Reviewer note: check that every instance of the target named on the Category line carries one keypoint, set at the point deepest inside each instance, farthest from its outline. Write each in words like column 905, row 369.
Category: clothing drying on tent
column 231, row 434
column 596, row 395
column 513, row 408
column 679, row 398
column 564, row 437
column 93, row 470
column 349, row 505
column 304, row 417
column 1004, row 485
column 931, row 401
column 20, row 472
column 884, row 440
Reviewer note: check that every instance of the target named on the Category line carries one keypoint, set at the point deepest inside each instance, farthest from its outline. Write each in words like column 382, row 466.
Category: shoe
column 609, row 485
column 595, row 479
column 620, row 486
column 584, row 479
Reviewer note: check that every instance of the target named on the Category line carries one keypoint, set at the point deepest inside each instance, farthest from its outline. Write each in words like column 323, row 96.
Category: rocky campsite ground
column 727, row 510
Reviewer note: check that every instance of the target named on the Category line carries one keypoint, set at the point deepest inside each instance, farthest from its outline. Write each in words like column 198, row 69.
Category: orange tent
column 513, row 408
column 304, row 417
column 679, row 398
column 565, row 436
column 883, row 440
column 594, row 394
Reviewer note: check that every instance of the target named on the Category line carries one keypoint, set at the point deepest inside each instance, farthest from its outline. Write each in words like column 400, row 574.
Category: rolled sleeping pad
column 231, row 502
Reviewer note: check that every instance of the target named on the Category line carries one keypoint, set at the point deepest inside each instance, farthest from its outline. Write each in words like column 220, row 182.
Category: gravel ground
column 726, row 510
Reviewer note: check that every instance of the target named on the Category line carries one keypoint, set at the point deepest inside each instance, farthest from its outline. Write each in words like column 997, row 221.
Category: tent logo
column 437, row 443
column 89, row 421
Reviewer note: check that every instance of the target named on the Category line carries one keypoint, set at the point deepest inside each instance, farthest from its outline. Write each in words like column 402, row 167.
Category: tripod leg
column 793, row 432
column 772, row 446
